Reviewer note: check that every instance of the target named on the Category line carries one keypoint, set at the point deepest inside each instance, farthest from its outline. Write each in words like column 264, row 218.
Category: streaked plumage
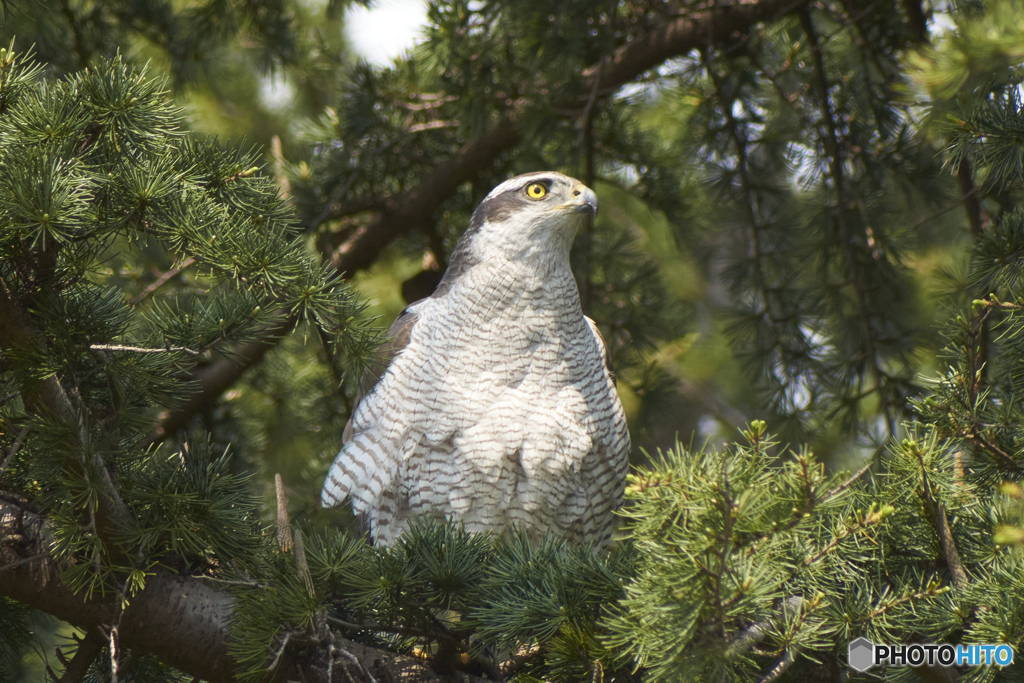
column 497, row 406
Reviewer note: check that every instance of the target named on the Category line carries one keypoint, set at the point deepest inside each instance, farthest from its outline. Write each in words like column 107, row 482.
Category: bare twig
column 277, row 658
column 160, row 282
column 348, row 655
column 849, row 481
column 277, row 155
column 284, row 527
column 932, row 216
column 14, row 451
column 780, row 667
column 26, row 560
column 114, row 655
column 142, row 349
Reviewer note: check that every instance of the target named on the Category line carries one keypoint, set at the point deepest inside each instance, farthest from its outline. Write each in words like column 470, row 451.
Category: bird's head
column 534, row 211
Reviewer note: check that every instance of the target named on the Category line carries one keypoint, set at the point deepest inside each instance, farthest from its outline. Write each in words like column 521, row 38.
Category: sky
column 385, row 31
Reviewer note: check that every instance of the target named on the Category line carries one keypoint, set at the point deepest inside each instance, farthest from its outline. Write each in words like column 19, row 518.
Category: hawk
column 497, row 405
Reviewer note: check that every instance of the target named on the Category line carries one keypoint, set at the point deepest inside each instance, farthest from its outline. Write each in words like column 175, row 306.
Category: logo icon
column 862, row 654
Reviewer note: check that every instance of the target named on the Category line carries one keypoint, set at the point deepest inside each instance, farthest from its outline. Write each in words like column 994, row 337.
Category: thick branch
column 965, row 176
column 215, row 379
column 87, row 651
column 412, row 208
column 715, row 26
column 917, row 20
column 409, row 209
column 940, row 522
column 50, row 397
column 181, row 620
column 18, row 332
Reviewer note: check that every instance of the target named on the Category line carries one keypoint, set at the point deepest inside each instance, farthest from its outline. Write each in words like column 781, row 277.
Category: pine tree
column 779, row 181
column 99, row 183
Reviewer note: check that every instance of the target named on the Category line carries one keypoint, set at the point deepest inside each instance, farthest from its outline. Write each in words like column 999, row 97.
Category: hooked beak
column 584, row 200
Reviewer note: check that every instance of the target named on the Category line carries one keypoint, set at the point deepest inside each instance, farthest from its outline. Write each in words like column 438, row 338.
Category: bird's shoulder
column 605, row 356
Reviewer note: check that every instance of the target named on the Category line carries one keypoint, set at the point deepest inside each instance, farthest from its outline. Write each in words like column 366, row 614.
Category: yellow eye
column 536, row 191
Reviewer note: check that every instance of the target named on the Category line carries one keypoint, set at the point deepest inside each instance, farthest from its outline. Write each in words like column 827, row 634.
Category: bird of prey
column 497, row 406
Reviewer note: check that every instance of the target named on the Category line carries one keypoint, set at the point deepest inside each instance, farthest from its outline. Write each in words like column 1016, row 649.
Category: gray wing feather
column 399, row 335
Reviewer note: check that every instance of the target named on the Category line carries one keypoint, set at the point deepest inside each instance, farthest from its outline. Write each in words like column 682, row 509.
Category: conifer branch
column 182, row 621
column 962, row 199
column 215, row 379
column 835, row 162
column 49, row 396
column 870, row 56
column 408, row 210
column 179, row 619
column 1004, row 458
column 412, row 208
column 870, row 519
column 850, row 481
column 974, row 379
column 746, row 189
column 885, row 608
column 748, row 201
column 717, row 25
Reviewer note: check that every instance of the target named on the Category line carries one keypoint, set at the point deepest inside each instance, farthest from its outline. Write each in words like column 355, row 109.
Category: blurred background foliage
column 787, row 218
